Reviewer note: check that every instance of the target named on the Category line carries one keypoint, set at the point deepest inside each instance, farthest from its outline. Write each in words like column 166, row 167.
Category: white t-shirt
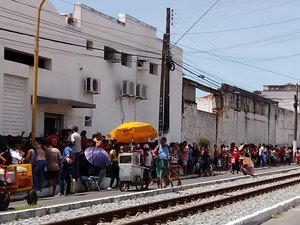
column 75, row 137
column 148, row 159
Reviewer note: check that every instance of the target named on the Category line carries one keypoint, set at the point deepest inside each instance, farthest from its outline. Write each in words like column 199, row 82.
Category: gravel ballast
column 217, row 216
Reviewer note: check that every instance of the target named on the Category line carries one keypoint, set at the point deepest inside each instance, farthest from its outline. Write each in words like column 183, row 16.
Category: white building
column 95, row 71
column 283, row 94
column 205, row 103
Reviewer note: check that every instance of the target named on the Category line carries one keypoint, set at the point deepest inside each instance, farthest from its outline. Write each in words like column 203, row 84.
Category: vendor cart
column 19, row 179
column 131, row 172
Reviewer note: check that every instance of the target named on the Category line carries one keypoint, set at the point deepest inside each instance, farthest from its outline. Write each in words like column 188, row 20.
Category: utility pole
column 36, row 69
column 164, row 100
column 296, row 120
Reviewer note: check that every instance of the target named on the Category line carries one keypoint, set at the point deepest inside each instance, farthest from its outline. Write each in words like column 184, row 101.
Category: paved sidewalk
column 290, row 217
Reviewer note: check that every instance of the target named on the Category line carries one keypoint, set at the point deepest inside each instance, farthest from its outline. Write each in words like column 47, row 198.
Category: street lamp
column 36, row 67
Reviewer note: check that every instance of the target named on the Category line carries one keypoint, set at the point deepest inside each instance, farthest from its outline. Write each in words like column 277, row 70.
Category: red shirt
column 236, row 155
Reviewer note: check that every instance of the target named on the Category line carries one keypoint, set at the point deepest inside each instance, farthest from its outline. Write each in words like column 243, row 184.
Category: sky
column 245, row 43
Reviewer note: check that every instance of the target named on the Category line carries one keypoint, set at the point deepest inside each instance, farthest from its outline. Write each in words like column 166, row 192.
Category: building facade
column 283, row 94
column 95, row 71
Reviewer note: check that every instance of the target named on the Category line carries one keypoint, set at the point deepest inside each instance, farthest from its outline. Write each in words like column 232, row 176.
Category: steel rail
column 109, row 216
column 187, row 211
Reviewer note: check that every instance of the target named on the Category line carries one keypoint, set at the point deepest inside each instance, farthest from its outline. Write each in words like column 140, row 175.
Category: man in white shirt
column 76, row 147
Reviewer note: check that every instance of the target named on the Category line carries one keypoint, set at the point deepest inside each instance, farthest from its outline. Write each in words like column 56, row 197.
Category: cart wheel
column 4, row 201
column 32, row 197
column 138, row 183
column 122, row 186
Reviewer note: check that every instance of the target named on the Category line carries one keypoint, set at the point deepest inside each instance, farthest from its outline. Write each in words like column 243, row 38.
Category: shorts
column 184, row 162
column 161, row 165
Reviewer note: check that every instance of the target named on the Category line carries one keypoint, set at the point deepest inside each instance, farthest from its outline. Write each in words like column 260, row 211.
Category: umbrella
column 97, row 156
column 137, row 132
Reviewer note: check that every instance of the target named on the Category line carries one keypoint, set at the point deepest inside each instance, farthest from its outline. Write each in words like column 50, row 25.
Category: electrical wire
column 247, row 28
column 245, row 64
column 89, row 35
column 228, row 66
column 64, row 42
column 195, row 22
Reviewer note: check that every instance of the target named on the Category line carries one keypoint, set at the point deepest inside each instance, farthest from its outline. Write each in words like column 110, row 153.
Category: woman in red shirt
column 235, row 157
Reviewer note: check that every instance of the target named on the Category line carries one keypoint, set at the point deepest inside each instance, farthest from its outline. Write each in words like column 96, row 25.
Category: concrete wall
column 198, row 124
column 241, row 117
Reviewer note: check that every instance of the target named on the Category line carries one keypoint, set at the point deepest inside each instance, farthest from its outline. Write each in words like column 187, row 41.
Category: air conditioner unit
column 91, row 85
column 128, row 88
column 96, row 86
column 138, row 91
column 112, row 55
column 144, row 91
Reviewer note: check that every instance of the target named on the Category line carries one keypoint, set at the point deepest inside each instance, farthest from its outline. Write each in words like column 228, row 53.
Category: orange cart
column 19, row 179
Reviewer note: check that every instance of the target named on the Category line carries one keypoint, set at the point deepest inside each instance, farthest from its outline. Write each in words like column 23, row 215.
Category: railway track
column 120, row 216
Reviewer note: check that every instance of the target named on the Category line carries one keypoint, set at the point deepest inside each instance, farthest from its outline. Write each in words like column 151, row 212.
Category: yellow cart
column 19, row 179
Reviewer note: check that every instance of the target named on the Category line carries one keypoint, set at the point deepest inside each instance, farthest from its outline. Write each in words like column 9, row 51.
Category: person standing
column 147, row 155
column 53, row 138
column 163, row 152
column 185, row 156
column 67, row 162
column 84, row 140
column 235, row 160
column 41, row 163
column 54, row 164
column 76, row 147
column 114, row 154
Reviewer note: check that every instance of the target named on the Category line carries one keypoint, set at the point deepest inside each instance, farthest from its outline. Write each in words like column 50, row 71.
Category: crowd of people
column 62, row 159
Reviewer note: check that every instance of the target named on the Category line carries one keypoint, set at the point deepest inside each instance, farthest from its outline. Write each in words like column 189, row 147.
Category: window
column 126, row 60
column 140, row 63
column 88, row 121
column 153, row 69
column 89, row 45
column 26, row 58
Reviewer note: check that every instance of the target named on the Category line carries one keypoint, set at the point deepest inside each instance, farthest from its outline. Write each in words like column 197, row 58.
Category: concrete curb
column 266, row 214
column 28, row 213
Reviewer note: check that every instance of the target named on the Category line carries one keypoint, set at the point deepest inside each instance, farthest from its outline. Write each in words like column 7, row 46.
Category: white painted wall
column 72, row 64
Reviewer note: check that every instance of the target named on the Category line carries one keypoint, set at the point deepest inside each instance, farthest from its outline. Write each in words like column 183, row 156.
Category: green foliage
column 203, row 141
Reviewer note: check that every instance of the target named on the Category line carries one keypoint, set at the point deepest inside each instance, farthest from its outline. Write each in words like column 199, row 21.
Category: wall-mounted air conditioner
column 112, row 55
column 91, row 85
column 127, row 88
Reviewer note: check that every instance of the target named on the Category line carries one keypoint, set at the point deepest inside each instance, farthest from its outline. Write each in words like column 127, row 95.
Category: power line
column 196, row 22
column 247, row 28
column 95, row 38
column 80, row 32
column 201, row 76
column 197, row 43
column 64, row 42
column 255, row 67
column 244, row 64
